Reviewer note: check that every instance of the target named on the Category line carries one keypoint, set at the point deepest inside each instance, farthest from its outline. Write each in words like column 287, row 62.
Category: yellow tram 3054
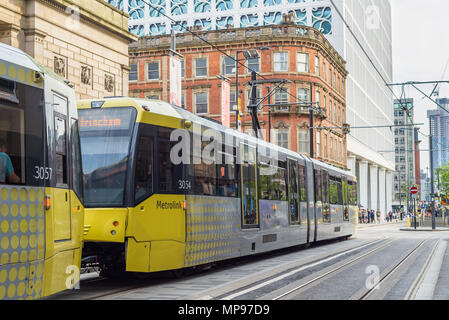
column 41, row 211
column 153, row 203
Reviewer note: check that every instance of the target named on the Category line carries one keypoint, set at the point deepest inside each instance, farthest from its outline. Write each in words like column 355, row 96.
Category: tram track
column 111, row 288
column 247, row 287
column 395, row 267
column 363, row 293
column 330, row 272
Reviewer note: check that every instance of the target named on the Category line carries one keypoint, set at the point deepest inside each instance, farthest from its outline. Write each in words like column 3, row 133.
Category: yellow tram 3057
column 41, row 211
column 155, row 204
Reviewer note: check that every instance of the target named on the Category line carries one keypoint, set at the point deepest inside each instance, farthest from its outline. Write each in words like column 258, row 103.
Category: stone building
column 299, row 54
column 85, row 42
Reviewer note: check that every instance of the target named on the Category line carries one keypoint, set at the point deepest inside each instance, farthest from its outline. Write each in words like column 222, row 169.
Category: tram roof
column 18, row 61
column 12, row 55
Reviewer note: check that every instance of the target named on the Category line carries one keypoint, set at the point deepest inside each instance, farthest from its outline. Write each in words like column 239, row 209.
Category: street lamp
column 249, row 54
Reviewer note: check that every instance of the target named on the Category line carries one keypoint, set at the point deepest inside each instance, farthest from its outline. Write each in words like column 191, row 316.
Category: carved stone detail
column 109, row 83
column 86, row 75
column 281, row 125
column 60, row 66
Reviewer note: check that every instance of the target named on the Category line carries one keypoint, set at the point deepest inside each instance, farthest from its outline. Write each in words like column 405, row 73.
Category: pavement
column 426, row 229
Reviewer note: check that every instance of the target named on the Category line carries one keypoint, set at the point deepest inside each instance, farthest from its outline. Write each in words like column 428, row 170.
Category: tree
column 442, row 174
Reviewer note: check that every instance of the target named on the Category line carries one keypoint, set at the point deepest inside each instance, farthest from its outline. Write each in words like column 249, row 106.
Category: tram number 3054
column 184, row 185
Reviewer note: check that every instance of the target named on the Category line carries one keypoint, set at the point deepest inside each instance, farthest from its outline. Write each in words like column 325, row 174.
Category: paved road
column 381, row 262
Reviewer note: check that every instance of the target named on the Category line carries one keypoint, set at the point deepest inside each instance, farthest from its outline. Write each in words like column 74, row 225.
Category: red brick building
column 296, row 53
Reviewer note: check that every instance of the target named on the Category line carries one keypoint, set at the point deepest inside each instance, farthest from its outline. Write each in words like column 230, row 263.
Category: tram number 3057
column 42, row 173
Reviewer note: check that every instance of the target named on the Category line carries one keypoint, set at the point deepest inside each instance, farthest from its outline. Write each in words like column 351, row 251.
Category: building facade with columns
column 85, row 42
column 299, row 54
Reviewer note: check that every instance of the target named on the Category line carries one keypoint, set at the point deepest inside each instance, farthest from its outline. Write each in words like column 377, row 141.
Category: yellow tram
column 41, row 211
column 153, row 203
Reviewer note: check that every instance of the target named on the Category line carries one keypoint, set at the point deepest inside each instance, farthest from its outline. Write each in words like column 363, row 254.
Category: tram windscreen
column 105, row 146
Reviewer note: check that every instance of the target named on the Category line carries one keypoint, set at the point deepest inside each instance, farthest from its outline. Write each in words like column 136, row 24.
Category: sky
column 420, row 52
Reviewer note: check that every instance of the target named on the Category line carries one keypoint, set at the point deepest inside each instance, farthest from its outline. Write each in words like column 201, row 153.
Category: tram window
column 60, row 105
column 169, row 173
column 205, row 179
column 352, row 193
column 273, row 181
column 204, row 174
column 302, row 183
column 293, row 192
column 280, row 182
column 344, row 191
column 332, row 191
column 325, row 186
column 144, row 168
column 76, row 160
column 264, row 181
column 345, row 188
column 339, row 192
column 318, row 189
column 61, row 153
column 21, row 132
column 226, row 175
column 249, row 191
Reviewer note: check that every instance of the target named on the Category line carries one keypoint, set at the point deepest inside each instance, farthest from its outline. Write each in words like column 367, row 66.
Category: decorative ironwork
column 219, row 14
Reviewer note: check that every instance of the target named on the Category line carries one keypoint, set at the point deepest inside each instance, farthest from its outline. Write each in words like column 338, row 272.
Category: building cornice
column 236, row 38
column 98, row 13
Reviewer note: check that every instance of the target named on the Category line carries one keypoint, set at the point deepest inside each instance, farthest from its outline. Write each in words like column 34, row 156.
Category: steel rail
column 350, row 262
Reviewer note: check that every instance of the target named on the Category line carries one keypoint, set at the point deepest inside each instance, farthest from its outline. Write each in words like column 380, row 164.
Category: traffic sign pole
column 414, row 191
column 414, row 210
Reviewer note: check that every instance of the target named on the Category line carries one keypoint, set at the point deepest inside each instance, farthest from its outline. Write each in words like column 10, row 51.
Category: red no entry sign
column 414, row 190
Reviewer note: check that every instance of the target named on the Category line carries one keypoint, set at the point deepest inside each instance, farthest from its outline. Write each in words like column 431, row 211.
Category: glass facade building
column 404, row 177
column 439, row 121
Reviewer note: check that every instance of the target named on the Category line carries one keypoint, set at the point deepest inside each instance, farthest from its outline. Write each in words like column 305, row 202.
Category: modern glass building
column 367, row 50
column 404, row 139
column 439, row 121
column 218, row 14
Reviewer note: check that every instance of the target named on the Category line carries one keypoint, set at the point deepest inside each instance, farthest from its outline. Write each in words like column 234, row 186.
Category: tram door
column 293, row 203
column 61, row 194
column 249, row 193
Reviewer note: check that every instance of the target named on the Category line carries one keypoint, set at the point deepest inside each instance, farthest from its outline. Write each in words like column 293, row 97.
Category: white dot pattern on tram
column 22, row 242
